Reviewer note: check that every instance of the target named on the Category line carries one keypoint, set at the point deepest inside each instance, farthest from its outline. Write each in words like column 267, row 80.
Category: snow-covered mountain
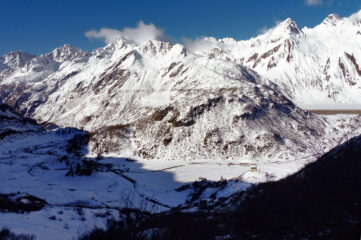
column 214, row 109
column 12, row 61
column 319, row 65
column 161, row 101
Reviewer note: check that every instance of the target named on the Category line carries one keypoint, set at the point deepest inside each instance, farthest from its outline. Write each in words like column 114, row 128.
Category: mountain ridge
column 323, row 60
column 163, row 100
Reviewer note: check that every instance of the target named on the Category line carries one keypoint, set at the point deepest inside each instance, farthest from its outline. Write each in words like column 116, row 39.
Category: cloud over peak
column 140, row 34
column 106, row 34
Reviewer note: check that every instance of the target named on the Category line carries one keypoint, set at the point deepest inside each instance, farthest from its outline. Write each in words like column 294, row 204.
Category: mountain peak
column 355, row 18
column 14, row 53
column 16, row 59
column 290, row 25
column 287, row 26
column 332, row 20
column 67, row 52
column 156, row 46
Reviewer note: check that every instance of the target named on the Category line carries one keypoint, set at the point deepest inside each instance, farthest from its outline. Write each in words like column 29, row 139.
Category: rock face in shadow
column 322, row 201
column 20, row 203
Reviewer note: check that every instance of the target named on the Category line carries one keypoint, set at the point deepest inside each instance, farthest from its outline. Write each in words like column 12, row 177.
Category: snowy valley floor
column 77, row 204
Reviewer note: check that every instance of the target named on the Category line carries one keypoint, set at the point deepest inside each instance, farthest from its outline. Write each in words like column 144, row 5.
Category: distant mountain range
column 320, row 65
column 223, row 100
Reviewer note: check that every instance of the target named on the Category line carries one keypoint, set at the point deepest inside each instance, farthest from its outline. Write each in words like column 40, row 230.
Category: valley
column 336, row 111
column 155, row 127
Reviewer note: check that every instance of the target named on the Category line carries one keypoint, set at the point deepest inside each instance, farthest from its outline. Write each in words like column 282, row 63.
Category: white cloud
column 106, row 34
column 264, row 30
column 199, row 44
column 313, row 2
column 143, row 32
column 204, row 44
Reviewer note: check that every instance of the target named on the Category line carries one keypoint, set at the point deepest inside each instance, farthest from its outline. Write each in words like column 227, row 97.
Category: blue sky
column 38, row 26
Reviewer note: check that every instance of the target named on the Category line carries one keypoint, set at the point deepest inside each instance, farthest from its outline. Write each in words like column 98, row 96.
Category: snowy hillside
column 319, row 65
column 160, row 101
column 58, row 190
column 48, row 186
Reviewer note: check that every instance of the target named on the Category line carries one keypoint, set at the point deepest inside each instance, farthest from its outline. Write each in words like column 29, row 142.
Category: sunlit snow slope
column 319, row 65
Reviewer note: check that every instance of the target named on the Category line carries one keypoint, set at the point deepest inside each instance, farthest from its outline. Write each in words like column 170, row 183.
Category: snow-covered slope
column 48, row 187
column 13, row 61
column 79, row 193
column 11, row 123
column 161, row 101
column 319, row 65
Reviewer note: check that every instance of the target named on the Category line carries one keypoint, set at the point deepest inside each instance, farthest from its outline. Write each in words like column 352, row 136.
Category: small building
column 254, row 168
